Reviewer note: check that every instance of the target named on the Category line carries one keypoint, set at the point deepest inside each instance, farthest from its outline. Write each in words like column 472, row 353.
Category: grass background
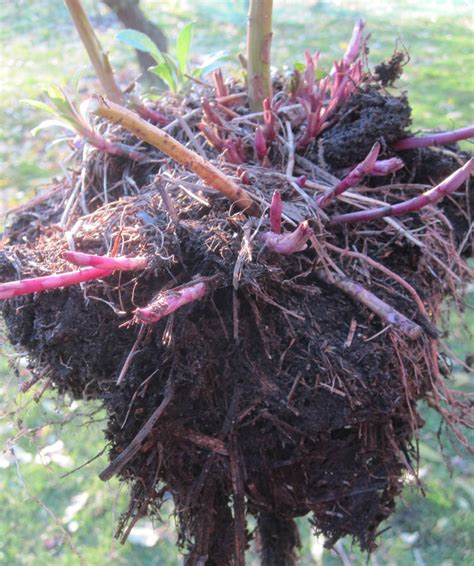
column 47, row 519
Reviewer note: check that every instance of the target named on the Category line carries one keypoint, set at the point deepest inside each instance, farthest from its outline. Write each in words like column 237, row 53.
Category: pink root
column 276, row 210
column 434, row 139
column 39, row 284
column 289, row 243
column 102, row 262
column 168, row 302
column 434, row 195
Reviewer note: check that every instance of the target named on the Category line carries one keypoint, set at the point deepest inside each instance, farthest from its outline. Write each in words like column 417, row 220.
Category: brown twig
column 387, row 313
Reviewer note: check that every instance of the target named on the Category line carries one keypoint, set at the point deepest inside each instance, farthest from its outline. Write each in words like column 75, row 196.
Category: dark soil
column 268, row 407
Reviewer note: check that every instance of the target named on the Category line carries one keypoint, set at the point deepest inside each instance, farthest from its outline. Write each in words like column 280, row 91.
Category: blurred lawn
column 42, row 513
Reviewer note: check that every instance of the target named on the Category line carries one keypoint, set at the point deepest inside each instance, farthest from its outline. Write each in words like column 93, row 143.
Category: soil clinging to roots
column 278, row 394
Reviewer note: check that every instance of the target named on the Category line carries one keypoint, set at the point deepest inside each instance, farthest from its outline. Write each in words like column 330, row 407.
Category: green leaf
column 140, row 41
column 166, row 74
column 183, row 44
column 40, row 105
column 300, row 67
column 212, row 62
column 50, row 124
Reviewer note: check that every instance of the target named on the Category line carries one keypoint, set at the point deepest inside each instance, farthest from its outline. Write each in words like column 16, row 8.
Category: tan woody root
column 168, row 145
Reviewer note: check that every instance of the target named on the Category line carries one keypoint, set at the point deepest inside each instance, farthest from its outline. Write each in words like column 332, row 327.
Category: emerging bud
column 168, row 302
column 289, row 243
column 386, row 166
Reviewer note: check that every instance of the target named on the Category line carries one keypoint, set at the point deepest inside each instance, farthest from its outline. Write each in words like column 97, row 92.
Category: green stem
column 259, row 40
column 97, row 55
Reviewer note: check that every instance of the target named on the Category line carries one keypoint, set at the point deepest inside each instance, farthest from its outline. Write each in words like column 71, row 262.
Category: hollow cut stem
column 259, row 41
column 168, row 145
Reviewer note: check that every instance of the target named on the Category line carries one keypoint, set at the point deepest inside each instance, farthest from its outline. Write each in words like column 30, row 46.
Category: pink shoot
column 211, row 116
column 301, row 181
column 353, row 178
column 38, row 284
column 233, row 151
column 103, row 262
column 434, row 139
column 260, row 143
column 355, row 44
column 269, row 130
column 289, row 243
column 148, row 114
column 168, row 302
column 276, row 210
column 219, row 85
column 243, row 176
column 446, row 187
column 212, row 137
column 386, row 166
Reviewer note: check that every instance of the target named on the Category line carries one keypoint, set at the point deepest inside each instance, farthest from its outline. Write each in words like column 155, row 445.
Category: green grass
column 40, row 47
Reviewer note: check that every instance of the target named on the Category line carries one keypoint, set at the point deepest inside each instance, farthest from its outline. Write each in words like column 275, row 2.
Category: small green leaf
column 140, row 41
column 300, row 67
column 50, row 124
column 212, row 62
column 165, row 73
column 40, row 106
column 183, row 44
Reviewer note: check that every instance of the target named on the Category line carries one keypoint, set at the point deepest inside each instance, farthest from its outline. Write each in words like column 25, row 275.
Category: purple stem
column 353, row 178
column 434, row 139
column 446, row 187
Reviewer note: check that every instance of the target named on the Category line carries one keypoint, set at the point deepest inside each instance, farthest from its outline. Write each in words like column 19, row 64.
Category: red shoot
column 276, row 210
column 168, row 302
column 211, row 116
column 434, row 139
column 289, row 243
column 353, row 178
column 269, row 130
column 102, row 262
column 301, row 181
column 219, row 85
column 260, row 143
column 212, row 137
column 449, row 185
column 152, row 115
column 234, row 151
